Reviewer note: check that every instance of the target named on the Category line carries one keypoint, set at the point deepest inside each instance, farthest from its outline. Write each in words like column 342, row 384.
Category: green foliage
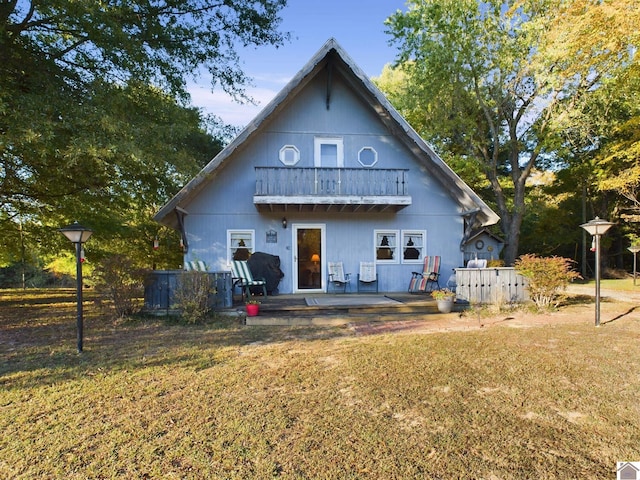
column 547, row 278
column 193, row 295
column 94, row 114
column 121, row 284
column 491, row 82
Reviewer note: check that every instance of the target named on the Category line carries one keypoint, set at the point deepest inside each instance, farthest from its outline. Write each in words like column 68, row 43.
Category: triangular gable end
column 333, row 54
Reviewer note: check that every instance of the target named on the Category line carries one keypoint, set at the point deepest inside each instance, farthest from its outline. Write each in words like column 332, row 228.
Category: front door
column 308, row 258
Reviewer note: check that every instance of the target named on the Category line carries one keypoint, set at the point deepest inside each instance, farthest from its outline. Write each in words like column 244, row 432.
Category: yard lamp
column 597, row 227
column 78, row 235
column 634, row 249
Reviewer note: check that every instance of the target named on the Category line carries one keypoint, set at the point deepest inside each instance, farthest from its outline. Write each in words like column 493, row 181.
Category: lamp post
column 634, row 249
column 597, row 227
column 77, row 234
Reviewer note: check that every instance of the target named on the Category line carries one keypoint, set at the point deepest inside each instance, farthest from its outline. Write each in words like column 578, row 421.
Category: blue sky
column 357, row 25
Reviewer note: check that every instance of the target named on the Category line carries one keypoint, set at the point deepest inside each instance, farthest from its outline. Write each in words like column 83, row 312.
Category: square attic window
column 289, row 155
column 367, row 156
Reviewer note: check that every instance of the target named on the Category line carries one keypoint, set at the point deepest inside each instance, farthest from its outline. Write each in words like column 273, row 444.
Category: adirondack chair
column 195, row 266
column 428, row 279
column 368, row 277
column 243, row 278
column 337, row 278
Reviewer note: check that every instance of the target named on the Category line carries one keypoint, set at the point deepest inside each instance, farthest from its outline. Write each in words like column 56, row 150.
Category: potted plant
column 444, row 299
column 253, row 307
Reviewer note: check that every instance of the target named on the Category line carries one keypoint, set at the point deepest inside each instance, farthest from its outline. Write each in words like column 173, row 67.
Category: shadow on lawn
column 42, row 342
column 621, row 316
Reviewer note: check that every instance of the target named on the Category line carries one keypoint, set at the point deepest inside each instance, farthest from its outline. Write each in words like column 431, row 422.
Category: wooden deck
column 341, row 309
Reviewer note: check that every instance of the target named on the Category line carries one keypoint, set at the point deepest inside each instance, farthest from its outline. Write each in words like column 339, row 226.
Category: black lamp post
column 634, row 249
column 597, row 228
column 77, row 234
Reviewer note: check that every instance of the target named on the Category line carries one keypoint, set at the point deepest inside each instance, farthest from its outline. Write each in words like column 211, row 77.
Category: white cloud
column 222, row 105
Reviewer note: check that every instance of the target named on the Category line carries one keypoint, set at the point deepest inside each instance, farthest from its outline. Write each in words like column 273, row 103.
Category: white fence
column 490, row 285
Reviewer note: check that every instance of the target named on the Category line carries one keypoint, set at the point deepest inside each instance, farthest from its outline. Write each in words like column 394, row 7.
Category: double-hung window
column 240, row 244
column 413, row 246
column 386, row 246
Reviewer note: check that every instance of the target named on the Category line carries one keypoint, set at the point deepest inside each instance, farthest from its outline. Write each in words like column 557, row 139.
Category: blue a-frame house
column 328, row 171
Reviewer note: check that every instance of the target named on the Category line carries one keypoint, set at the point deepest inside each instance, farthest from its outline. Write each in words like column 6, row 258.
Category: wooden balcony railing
column 328, row 182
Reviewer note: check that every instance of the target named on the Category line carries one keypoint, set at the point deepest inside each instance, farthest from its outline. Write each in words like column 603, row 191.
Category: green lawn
column 151, row 398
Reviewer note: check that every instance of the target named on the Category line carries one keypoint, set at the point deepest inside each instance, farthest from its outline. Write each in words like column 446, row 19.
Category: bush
column 548, row 278
column 192, row 295
column 123, row 284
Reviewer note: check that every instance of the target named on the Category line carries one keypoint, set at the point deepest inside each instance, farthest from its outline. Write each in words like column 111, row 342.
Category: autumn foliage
column 547, row 277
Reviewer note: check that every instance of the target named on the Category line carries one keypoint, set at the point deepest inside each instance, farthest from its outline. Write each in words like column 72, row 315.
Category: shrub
column 548, row 278
column 122, row 283
column 192, row 295
column 443, row 294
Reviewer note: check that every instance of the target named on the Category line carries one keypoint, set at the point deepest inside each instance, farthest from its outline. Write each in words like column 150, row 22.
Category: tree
column 157, row 42
column 490, row 81
column 94, row 116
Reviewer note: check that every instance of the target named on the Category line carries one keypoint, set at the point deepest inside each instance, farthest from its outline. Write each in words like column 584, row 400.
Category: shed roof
column 332, row 54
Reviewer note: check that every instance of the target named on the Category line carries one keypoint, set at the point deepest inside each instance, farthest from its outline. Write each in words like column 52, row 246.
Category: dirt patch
column 611, row 309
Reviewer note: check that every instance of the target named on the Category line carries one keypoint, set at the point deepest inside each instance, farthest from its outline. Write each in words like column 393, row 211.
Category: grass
column 151, row 398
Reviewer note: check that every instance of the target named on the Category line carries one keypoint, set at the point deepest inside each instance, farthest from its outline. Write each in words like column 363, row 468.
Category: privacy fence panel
column 490, row 285
column 161, row 285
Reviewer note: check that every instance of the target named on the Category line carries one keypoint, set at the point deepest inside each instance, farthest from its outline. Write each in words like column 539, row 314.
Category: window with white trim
column 413, row 246
column 328, row 152
column 240, row 244
column 289, row 155
column 367, row 156
column 386, row 246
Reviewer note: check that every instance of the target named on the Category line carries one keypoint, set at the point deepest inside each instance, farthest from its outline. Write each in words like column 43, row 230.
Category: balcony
column 331, row 189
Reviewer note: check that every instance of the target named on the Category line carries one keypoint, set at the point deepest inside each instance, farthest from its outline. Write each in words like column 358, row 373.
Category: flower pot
column 445, row 305
column 253, row 310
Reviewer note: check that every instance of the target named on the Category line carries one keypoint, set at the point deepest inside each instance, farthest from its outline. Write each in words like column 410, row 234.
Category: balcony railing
column 354, row 187
column 331, row 181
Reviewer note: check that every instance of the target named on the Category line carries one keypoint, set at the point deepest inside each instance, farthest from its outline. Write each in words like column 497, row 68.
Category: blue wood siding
column 227, row 202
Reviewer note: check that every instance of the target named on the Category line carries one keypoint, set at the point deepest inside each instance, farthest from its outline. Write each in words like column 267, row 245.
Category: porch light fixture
column 634, row 249
column 284, row 222
column 78, row 235
column 597, row 227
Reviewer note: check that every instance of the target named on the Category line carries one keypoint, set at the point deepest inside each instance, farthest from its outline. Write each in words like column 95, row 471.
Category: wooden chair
column 428, row 279
column 368, row 277
column 243, row 278
column 337, row 278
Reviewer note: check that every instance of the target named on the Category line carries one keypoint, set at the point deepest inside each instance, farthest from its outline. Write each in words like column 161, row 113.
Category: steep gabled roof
column 333, row 54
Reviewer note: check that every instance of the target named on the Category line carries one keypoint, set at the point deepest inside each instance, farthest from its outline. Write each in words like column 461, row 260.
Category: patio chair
column 195, row 266
column 337, row 278
column 243, row 278
column 427, row 280
column 368, row 277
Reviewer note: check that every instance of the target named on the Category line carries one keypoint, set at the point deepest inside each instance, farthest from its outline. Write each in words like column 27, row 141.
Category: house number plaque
column 272, row 236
